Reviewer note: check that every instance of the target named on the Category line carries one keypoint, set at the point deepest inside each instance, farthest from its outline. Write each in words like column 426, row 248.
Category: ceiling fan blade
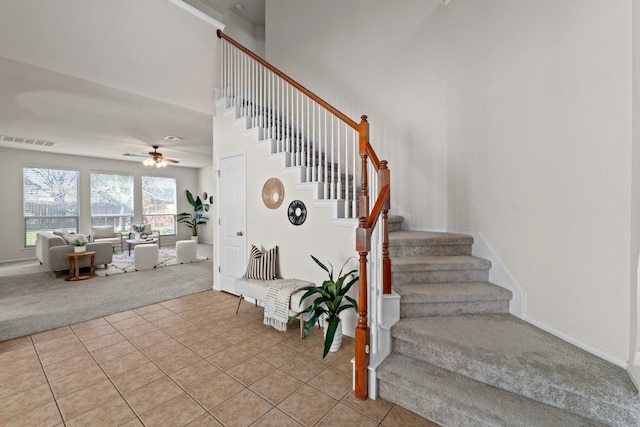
column 134, row 155
column 172, row 160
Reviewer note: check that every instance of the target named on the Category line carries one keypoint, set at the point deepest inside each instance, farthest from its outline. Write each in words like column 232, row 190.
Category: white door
column 232, row 208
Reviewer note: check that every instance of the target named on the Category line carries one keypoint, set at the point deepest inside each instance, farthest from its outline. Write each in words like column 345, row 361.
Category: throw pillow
column 262, row 265
column 71, row 238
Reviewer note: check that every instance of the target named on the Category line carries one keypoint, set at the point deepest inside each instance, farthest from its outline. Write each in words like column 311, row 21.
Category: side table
column 74, row 265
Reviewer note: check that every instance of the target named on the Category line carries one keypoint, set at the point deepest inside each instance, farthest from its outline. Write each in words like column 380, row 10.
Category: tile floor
column 187, row 361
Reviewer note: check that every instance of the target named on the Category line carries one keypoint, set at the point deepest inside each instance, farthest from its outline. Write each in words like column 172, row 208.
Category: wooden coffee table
column 132, row 242
column 74, row 265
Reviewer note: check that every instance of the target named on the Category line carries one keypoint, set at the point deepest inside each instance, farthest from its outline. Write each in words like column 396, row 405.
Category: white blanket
column 276, row 307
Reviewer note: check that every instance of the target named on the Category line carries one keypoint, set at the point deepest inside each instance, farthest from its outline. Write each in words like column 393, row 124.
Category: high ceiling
column 102, row 79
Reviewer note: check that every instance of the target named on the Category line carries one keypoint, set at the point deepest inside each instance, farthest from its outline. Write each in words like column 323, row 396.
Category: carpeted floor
column 31, row 300
column 123, row 262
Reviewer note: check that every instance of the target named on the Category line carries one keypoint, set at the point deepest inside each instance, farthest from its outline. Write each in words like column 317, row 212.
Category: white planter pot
column 79, row 248
column 337, row 338
column 194, row 238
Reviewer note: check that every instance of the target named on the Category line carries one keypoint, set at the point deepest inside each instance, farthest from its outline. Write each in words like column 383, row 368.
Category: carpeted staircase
column 460, row 359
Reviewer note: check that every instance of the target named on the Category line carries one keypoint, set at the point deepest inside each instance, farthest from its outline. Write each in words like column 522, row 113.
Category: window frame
column 126, row 220
column 147, row 216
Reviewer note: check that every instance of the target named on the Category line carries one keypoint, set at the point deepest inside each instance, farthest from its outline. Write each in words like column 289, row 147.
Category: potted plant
column 330, row 299
column 79, row 245
column 139, row 229
column 193, row 220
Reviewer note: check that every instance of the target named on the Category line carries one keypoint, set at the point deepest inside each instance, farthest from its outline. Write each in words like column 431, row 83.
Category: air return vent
column 18, row 140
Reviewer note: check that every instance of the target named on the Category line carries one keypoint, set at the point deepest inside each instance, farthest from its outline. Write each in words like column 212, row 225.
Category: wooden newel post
column 363, row 239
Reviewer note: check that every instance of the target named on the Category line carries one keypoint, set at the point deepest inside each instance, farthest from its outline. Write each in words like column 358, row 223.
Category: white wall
column 267, row 228
column 13, row 161
column 510, row 119
column 383, row 59
column 539, row 126
column 137, row 46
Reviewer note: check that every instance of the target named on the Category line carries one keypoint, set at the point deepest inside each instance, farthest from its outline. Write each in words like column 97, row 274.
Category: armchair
column 106, row 233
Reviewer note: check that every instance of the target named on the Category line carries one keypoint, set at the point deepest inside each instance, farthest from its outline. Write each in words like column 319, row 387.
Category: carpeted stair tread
column 454, row 400
column 439, row 263
column 503, row 351
column 412, row 238
column 451, row 292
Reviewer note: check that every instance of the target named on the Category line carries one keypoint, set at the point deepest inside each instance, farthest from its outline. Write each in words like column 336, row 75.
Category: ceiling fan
column 154, row 158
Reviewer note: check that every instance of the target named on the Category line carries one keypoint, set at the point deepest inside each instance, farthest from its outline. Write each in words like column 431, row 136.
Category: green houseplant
column 200, row 206
column 330, row 299
column 79, row 245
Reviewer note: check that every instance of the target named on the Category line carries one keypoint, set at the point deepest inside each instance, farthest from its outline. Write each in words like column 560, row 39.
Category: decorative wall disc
column 297, row 212
column 273, row 193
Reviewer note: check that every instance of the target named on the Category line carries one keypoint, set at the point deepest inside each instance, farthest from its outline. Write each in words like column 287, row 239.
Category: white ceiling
column 123, row 86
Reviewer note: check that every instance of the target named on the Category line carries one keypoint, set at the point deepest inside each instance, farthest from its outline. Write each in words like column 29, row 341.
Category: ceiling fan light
column 148, row 162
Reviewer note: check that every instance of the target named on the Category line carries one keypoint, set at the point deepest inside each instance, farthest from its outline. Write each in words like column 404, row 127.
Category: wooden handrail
column 367, row 221
column 292, row 82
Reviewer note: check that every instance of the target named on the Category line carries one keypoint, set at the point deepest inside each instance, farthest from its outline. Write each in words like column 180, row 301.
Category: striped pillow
column 262, row 265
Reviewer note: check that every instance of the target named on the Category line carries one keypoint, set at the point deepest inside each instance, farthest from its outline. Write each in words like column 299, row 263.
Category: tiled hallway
column 187, row 361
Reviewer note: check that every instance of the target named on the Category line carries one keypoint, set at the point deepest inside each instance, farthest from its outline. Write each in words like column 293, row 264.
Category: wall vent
column 18, row 140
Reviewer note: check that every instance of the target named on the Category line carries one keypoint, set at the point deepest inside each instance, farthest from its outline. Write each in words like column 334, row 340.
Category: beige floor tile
column 332, row 381
column 18, row 365
column 250, row 371
column 88, row 324
column 113, row 351
column 229, row 357
column 87, row 399
column 153, row 394
column 45, row 415
column 256, row 344
column 206, row 420
column 78, row 381
column 238, row 335
column 17, row 354
column 344, row 363
column 375, row 409
column 212, row 393
column 157, row 314
column 124, row 363
column 15, row 343
column 307, row 405
column 21, row 382
column 129, row 322
column 174, row 361
column 194, row 336
column 181, row 328
column 276, row 386
column 276, row 417
column 156, row 351
column 120, row 316
column 179, row 411
column 148, row 309
column 98, row 331
column 112, row 413
column 137, row 377
column 51, row 334
column 69, row 366
column 278, row 355
column 168, row 321
column 400, row 417
column 139, row 330
column 242, row 409
column 156, row 336
column 133, row 423
column 25, row 401
column 304, row 367
column 347, row 416
column 209, row 346
column 195, row 374
column 62, row 353
column 104, row 341
column 56, row 343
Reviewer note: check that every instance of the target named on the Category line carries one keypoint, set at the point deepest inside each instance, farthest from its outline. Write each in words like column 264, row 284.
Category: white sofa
column 50, row 251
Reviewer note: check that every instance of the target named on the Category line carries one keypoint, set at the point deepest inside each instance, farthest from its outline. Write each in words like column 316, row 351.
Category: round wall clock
column 143, row 235
column 297, row 212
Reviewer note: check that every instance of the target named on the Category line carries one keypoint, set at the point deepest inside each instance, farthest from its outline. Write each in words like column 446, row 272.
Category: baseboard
column 634, row 373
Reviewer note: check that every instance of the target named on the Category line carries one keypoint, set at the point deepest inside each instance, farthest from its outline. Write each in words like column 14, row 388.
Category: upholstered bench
column 257, row 290
column 146, row 256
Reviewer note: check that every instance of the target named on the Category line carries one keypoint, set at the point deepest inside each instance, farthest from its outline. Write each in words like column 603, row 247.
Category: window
column 159, row 204
column 112, row 200
column 50, row 201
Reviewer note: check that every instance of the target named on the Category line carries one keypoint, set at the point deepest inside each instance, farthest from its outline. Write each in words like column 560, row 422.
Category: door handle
column 239, row 233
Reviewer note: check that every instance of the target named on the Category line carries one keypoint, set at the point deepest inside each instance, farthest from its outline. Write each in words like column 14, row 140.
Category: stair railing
column 325, row 143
